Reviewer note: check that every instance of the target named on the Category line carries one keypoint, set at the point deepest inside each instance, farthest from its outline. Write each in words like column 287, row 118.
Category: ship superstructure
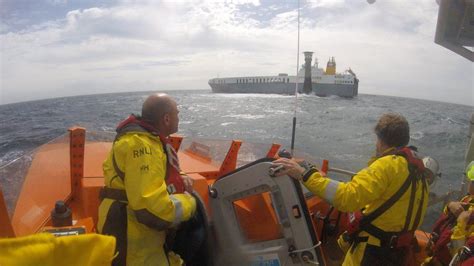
column 323, row 82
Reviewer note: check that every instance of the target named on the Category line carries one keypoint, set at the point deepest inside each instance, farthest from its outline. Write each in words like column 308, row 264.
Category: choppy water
column 333, row 128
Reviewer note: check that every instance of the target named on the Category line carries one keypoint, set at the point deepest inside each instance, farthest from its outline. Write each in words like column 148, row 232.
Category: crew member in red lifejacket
column 452, row 238
column 392, row 193
column 144, row 193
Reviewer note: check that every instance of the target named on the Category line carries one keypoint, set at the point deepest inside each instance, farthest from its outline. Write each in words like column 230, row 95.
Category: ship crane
column 351, row 72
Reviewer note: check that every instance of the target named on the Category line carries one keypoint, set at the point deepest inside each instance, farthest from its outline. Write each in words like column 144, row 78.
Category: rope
column 306, row 249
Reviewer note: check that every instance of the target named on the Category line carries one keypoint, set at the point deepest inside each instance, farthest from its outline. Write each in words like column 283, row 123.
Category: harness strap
column 411, row 203
column 416, row 223
column 113, row 193
column 366, row 222
column 356, row 240
column 390, row 238
column 387, row 204
column 403, row 238
column 119, row 172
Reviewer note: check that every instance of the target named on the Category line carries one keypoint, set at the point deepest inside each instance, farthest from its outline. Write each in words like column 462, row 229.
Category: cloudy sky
column 54, row 48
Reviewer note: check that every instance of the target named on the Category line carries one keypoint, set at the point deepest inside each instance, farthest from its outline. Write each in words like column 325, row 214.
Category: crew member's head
column 162, row 112
column 431, row 168
column 392, row 131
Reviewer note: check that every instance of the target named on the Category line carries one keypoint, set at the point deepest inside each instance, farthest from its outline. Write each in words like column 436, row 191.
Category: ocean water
column 333, row 128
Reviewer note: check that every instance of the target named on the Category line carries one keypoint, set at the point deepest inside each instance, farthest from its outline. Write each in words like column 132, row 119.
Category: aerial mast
column 296, row 85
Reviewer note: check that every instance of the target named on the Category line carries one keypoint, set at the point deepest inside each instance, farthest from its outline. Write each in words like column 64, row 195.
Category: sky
column 56, row 48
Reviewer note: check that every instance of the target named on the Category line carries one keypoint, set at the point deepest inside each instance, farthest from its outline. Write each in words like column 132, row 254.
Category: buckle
column 434, row 237
column 393, row 241
column 465, row 253
column 346, row 237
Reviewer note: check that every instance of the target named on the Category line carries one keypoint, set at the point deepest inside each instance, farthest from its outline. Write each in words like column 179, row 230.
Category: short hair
column 393, row 130
column 155, row 107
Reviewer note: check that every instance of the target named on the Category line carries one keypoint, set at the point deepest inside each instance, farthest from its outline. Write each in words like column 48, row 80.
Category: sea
column 339, row 130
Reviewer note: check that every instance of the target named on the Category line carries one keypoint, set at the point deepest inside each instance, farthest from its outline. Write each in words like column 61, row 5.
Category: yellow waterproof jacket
column 150, row 209
column 369, row 189
column 461, row 233
column 47, row 250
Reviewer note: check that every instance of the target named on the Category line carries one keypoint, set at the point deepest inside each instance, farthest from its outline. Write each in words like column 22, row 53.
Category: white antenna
column 296, row 85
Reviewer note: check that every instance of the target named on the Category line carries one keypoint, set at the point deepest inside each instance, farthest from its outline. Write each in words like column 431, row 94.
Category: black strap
column 113, row 193
column 389, row 239
column 416, row 223
column 387, row 204
column 119, row 172
column 116, row 224
column 366, row 222
column 358, row 239
column 411, row 203
column 384, row 237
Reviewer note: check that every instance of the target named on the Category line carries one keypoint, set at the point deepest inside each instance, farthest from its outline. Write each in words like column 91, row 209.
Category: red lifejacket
column 468, row 262
column 174, row 181
column 441, row 236
column 359, row 222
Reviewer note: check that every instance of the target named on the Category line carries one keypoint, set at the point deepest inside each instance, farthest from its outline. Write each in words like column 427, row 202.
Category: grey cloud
column 389, row 45
column 140, row 66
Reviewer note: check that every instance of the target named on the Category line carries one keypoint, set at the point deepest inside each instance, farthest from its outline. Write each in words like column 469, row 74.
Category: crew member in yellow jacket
column 462, row 239
column 142, row 197
column 382, row 191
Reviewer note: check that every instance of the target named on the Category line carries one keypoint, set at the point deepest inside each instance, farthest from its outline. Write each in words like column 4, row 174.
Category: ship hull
column 320, row 89
column 342, row 90
column 274, row 88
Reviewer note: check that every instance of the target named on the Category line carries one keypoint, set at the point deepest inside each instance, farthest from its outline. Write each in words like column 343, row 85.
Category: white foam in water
column 245, row 116
column 452, row 121
column 417, row 135
column 107, row 129
column 247, row 95
column 10, row 156
column 227, row 123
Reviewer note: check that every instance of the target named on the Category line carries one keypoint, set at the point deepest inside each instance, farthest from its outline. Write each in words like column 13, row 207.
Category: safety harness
column 173, row 178
column 393, row 240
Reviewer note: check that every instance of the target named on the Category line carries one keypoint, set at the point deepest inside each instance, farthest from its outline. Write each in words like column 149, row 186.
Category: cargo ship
column 318, row 81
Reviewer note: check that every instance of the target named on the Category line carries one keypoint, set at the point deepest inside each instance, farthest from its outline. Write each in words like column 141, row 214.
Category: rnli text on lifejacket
column 142, row 151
